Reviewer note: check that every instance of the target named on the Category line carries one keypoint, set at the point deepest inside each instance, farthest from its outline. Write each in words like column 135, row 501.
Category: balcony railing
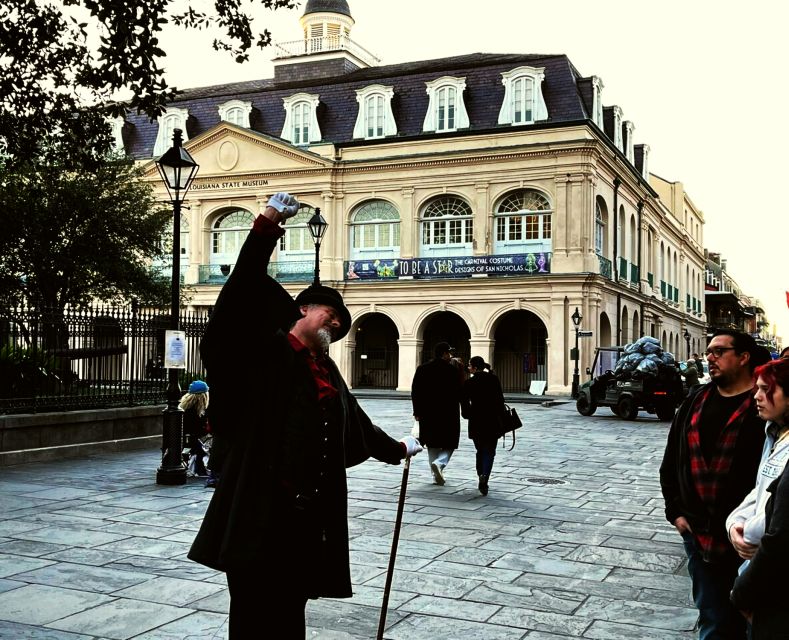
column 634, row 273
column 324, row 44
column 605, row 267
column 283, row 271
column 622, row 268
column 651, row 280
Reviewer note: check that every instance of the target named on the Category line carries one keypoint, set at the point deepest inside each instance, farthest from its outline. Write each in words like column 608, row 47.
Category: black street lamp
column 317, row 226
column 686, row 335
column 576, row 318
column 177, row 169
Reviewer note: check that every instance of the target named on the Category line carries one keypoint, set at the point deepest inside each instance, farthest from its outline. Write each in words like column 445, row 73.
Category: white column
column 408, row 351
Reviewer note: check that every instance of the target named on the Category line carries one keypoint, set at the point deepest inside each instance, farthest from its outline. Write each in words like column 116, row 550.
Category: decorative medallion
column 227, row 155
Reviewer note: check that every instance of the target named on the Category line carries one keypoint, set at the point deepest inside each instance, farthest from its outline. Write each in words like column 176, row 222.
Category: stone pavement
column 570, row 543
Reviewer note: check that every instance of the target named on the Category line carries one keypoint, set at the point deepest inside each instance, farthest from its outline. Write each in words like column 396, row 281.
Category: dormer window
column 618, row 128
column 172, row 118
column 629, row 147
column 116, row 129
column 301, row 119
column 523, row 100
column 597, row 101
column 375, row 118
column 446, row 110
column 236, row 112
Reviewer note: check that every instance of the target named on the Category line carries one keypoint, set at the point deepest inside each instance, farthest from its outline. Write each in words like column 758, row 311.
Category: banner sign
column 522, row 264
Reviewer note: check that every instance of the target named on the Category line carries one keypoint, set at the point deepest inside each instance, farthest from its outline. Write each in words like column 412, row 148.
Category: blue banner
column 521, row 264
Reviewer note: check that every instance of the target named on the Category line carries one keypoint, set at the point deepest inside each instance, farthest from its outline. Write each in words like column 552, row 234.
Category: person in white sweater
column 746, row 523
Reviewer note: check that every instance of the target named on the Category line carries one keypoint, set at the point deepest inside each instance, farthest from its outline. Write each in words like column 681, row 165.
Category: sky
column 702, row 80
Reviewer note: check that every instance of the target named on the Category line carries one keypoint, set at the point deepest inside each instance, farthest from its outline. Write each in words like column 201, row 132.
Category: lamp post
column 576, row 318
column 686, row 335
column 317, row 226
column 177, row 169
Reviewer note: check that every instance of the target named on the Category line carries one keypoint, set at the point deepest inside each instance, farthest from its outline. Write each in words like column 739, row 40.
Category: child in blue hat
column 194, row 404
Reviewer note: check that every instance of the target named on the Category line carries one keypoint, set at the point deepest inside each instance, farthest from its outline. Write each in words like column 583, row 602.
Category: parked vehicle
column 628, row 392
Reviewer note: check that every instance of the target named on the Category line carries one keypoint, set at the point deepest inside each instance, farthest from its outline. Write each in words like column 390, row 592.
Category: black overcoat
column 281, row 501
column 483, row 405
column 435, row 396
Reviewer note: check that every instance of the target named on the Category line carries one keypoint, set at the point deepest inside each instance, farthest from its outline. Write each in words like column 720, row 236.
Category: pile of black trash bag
column 645, row 359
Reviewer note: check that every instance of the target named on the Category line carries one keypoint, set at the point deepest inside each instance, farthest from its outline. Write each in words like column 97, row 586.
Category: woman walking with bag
column 483, row 404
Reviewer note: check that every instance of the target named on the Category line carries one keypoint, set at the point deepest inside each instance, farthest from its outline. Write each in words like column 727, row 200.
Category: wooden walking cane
column 393, row 555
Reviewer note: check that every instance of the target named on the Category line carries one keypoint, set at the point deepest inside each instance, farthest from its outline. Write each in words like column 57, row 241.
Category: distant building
column 477, row 199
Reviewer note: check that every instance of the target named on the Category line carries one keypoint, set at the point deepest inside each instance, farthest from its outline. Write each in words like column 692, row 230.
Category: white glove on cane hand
column 412, row 446
column 285, row 203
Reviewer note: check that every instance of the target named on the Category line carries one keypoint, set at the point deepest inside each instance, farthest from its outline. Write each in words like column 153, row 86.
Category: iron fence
column 90, row 358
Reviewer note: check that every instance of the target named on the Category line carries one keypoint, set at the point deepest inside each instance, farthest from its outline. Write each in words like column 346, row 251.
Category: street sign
column 585, row 334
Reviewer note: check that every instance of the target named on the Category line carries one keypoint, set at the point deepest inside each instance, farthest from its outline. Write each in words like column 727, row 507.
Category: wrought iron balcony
column 605, row 267
column 634, row 273
column 282, row 271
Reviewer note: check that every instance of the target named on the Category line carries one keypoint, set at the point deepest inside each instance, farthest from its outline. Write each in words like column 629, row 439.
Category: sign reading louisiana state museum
column 521, row 264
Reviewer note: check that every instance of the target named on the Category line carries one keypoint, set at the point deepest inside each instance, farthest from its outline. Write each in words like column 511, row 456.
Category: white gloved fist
column 412, row 446
column 285, row 203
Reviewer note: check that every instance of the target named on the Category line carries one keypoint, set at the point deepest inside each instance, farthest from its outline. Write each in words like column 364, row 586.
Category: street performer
column 277, row 523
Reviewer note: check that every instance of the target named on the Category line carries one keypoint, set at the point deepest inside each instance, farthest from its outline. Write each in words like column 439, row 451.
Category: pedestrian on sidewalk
column 277, row 522
column 194, row 405
column 435, row 397
column 482, row 405
column 709, row 465
column 759, row 592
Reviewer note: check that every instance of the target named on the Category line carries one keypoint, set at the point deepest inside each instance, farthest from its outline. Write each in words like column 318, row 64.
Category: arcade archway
column 376, row 354
column 519, row 354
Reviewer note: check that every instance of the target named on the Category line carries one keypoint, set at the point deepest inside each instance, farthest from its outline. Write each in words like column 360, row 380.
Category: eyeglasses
column 717, row 352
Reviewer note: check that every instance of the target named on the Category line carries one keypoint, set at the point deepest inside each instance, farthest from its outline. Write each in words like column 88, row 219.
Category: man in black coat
column 709, row 466
column 435, row 396
column 277, row 523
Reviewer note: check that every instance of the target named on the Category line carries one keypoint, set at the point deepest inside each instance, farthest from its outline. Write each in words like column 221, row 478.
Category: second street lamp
column 576, row 318
column 178, row 170
column 317, row 226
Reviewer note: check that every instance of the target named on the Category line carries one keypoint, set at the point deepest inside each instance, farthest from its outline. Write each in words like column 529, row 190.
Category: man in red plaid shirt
column 709, row 466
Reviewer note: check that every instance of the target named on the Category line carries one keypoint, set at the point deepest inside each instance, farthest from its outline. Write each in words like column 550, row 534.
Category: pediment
column 227, row 150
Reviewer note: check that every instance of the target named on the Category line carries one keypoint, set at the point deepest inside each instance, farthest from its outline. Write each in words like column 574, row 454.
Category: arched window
column 375, row 231
column 297, row 243
column 447, row 227
column 599, row 230
column 228, row 234
column 523, row 223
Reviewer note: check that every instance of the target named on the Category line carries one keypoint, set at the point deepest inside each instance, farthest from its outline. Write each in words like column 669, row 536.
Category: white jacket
column 751, row 509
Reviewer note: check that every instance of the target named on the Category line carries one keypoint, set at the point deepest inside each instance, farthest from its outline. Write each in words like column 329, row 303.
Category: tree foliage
column 73, row 236
column 51, row 72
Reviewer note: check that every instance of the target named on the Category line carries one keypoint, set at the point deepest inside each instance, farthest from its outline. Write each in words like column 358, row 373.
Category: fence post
column 133, row 354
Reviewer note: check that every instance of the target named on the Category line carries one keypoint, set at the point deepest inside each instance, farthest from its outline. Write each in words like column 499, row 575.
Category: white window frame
column 363, row 98
column 220, row 235
column 597, row 101
column 630, row 152
column 235, row 112
column 375, row 227
column 301, row 108
column 436, row 90
column 515, row 223
column 645, row 162
column 534, row 104
column 437, row 227
column 297, row 225
column 618, row 128
column 172, row 118
column 599, row 230
column 116, row 128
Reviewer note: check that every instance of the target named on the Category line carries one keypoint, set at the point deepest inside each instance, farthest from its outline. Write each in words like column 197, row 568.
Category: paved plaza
column 570, row 543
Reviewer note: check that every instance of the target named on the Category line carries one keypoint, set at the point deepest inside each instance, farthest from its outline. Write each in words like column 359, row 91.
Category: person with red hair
column 759, row 527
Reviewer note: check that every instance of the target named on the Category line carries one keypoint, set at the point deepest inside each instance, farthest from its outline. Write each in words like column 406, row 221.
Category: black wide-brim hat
column 331, row 298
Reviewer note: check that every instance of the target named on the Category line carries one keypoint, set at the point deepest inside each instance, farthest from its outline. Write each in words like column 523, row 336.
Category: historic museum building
column 477, row 199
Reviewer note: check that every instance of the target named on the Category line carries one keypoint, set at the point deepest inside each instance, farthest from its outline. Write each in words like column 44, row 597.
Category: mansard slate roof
column 338, row 106
column 328, row 6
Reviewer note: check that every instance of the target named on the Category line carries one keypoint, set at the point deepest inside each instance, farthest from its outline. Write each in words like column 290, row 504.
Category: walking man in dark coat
column 277, row 523
column 435, row 395
column 709, row 466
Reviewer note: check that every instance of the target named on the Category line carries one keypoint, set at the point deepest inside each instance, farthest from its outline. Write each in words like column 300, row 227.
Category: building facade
column 477, row 199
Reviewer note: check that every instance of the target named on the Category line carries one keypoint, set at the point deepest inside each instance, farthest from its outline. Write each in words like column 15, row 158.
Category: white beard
column 324, row 338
